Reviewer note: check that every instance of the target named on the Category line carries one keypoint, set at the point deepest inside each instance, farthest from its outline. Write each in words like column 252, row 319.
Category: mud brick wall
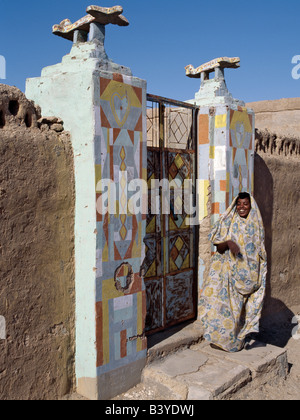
column 36, row 252
column 277, row 191
column 281, row 116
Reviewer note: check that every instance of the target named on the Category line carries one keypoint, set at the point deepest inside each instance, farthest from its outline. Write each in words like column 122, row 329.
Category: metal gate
column 170, row 265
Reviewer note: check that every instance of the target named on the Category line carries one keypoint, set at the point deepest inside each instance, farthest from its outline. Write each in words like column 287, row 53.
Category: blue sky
column 163, row 37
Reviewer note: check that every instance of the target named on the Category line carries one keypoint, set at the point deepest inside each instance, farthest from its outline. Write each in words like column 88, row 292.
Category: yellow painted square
column 220, row 121
column 109, row 290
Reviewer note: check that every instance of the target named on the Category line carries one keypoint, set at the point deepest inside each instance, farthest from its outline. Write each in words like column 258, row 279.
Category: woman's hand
column 234, row 248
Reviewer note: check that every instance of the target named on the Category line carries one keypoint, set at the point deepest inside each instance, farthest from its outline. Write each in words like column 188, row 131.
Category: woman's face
column 243, row 207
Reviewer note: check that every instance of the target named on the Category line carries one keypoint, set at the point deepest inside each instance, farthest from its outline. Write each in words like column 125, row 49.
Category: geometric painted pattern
column 120, row 154
column 227, row 139
column 170, row 263
column 180, row 167
column 179, row 252
column 226, row 142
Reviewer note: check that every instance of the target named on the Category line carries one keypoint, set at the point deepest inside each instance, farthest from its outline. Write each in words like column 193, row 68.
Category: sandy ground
column 288, row 389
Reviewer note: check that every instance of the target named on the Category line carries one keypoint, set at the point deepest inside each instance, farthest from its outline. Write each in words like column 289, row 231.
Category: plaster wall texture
column 36, row 246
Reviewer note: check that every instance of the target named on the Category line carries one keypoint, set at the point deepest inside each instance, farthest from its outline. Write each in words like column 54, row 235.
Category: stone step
column 175, row 338
column 203, row 373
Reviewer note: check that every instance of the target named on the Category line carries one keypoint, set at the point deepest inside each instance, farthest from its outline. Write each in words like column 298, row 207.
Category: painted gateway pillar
column 104, row 108
column 226, row 142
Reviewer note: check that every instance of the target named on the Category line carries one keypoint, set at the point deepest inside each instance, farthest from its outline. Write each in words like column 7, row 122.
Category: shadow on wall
column 276, row 323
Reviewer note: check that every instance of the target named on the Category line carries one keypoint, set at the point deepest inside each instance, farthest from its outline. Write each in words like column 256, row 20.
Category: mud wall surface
column 36, row 249
column 277, row 191
column 280, row 116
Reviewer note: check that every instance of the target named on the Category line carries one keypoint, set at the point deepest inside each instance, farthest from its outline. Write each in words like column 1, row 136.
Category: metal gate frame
column 163, row 151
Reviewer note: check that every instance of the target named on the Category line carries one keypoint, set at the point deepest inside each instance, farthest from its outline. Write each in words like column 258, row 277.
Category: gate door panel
column 170, row 265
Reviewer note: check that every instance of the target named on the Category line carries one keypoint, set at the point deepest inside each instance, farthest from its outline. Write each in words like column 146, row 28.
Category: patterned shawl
column 233, row 294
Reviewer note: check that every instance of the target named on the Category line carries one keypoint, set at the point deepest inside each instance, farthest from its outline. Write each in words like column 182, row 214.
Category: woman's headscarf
column 224, row 227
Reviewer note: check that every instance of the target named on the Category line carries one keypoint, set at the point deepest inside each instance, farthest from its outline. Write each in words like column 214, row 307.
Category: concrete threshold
column 198, row 372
